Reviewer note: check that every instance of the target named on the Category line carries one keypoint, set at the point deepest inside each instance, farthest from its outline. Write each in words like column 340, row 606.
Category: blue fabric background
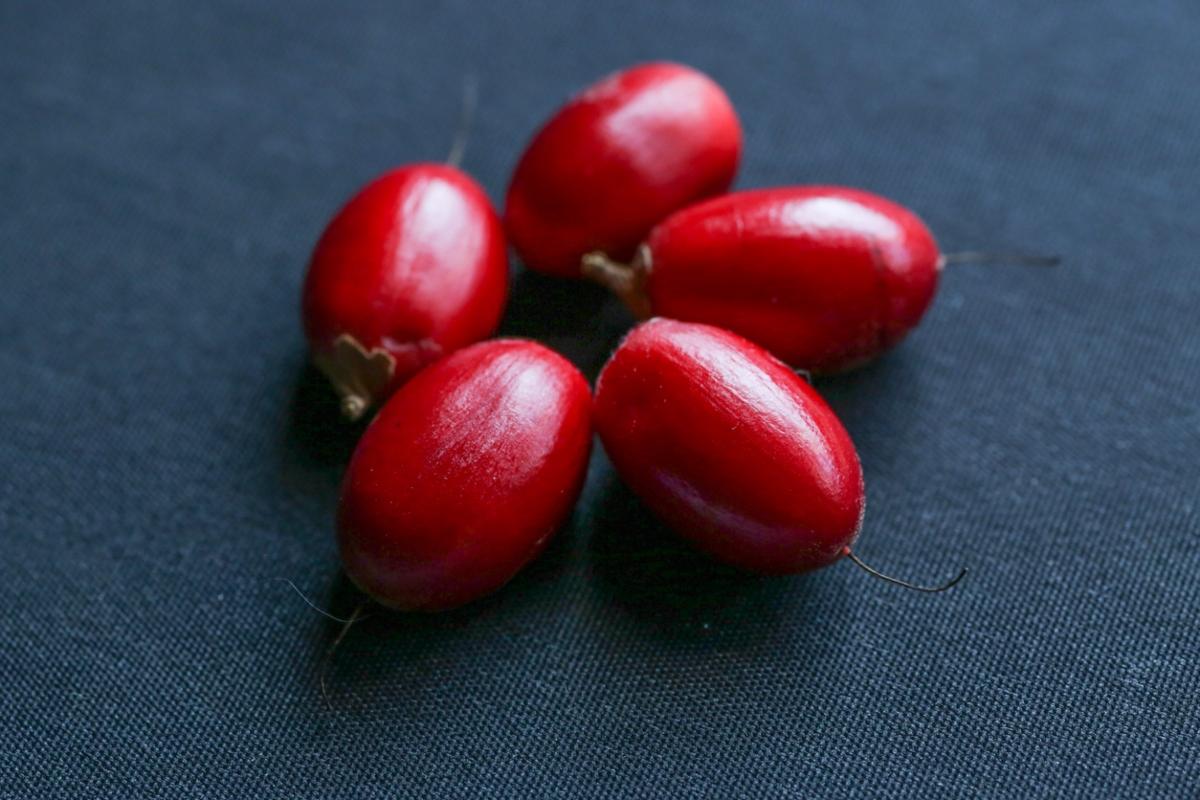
column 167, row 460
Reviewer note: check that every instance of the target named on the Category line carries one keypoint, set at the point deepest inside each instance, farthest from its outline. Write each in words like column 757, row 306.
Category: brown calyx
column 359, row 376
column 626, row 281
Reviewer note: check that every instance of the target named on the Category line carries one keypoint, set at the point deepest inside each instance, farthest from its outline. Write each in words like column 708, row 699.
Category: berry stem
column 358, row 375
column 846, row 551
column 626, row 281
column 466, row 115
column 348, row 623
column 984, row 257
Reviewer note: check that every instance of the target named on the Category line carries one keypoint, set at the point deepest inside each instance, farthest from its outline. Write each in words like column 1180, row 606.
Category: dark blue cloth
column 167, row 460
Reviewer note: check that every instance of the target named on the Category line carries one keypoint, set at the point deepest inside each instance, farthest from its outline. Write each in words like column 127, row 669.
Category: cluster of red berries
column 480, row 451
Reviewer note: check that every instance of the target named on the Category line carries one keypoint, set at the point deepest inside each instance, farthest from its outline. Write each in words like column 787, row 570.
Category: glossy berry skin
column 412, row 268
column 615, row 160
column 730, row 447
column 464, row 475
column 824, row 277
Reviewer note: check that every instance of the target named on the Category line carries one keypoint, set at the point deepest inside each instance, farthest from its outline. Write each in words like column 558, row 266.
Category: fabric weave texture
column 168, row 461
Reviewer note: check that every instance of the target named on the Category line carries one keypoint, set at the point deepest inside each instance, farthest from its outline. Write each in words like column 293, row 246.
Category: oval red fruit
column 730, row 447
column 824, row 277
column 464, row 475
column 412, row 268
column 615, row 160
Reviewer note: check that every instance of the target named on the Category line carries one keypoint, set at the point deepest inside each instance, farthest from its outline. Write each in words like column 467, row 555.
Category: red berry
column 412, row 268
column 615, row 160
column 730, row 447
column 824, row 277
column 464, row 475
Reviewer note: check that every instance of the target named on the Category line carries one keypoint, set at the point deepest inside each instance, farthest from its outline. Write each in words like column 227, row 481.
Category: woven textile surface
column 168, row 461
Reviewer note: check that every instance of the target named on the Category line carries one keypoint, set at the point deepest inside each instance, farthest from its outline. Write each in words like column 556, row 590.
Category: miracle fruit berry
column 732, row 449
column 412, row 268
column 615, row 160
column 464, row 475
column 729, row 447
column 824, row 277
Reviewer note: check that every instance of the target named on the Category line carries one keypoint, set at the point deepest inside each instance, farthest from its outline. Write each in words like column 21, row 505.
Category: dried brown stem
column 626, row 281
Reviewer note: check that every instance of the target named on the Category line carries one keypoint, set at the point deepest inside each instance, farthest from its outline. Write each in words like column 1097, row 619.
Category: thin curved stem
column 462, row 133
column 984, row 257
column 313, row 605
column 916, row 588
column 354, row 617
